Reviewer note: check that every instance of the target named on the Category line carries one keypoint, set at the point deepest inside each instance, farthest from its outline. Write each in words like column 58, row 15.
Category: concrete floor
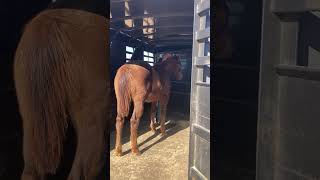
column 161, row 157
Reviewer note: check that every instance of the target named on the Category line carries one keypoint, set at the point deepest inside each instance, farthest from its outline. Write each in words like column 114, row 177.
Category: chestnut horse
column 143, row 83
column 61, row 74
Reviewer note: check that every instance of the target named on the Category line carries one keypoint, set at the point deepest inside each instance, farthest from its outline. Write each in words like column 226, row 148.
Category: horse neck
column 164, row 75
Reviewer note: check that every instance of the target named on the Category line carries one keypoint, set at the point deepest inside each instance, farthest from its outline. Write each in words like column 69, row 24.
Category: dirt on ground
column 162, row 157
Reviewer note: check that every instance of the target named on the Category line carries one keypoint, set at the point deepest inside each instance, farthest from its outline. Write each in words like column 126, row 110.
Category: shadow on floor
column 175, row 123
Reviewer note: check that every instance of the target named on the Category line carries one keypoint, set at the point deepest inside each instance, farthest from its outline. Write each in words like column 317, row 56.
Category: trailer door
column 199, row 157
column 288, row 122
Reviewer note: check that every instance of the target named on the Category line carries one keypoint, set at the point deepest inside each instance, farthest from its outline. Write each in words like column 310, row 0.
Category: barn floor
column 161, row 157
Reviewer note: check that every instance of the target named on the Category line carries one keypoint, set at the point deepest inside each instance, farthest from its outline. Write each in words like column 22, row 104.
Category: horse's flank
column 123, row 88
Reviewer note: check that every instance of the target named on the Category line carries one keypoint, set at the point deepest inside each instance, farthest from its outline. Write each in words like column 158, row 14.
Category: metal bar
column 193, row 92
column 201, row 131
column 195, row 173
column 203, row 34
column 120, row 1
column 174, row 34
column 165, row 35
column 175, row 39
column 163, row 15
column 202, row 61
column 301, row 72
column 183, row 32
column 202, row 84
column 289, row 6
column 156, row 27
column 171, row 43
column 195, row 108
column 203, row 6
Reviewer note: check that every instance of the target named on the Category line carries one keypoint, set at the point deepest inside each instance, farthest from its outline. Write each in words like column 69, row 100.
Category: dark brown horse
column 141, row 83
column 61, row 74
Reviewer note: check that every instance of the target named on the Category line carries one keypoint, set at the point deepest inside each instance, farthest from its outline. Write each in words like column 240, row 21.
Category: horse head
column 173, row 65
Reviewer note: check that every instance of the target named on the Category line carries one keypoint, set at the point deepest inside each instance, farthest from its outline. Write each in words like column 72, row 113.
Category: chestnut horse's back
column 48, row 63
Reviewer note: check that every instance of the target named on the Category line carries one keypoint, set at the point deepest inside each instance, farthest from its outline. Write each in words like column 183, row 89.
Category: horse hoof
column 136, row 153
column 116, row 153
column 153, row 130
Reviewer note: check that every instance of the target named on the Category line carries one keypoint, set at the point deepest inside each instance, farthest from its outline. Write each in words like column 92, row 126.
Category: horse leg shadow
column 172, row 129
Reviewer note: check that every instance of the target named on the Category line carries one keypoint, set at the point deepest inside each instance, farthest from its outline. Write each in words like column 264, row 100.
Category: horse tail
column 122, row 90
column 42, row 82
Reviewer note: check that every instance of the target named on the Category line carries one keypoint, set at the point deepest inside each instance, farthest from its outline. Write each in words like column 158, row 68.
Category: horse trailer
column 147, row 30
column 169, row 36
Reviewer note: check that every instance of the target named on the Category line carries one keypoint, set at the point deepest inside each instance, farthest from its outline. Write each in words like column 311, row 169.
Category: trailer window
column 148, row 56
column 129, row 52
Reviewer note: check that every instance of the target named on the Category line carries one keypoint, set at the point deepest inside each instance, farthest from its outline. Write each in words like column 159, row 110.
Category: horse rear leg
column 153, row 116
column 119, row 127
column 29, row 172
column 163, row 113
column 90, row 121
column 134, row 123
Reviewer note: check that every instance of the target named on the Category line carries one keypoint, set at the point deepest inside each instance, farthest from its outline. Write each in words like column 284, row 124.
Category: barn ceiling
column 160, row 23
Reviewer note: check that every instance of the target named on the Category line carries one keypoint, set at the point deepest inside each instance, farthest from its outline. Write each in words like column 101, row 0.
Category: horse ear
column 166, row 56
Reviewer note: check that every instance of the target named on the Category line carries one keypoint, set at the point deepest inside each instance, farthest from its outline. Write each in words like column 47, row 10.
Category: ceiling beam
column 160, row 15
column 120, row 1
column 156, row 27
column 173, row 48
column 171, row 39
column 164, row 35
column 171, row 44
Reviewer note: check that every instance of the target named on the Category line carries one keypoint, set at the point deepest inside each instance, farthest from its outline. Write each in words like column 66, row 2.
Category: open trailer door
column 288, row 122
column 199, row 157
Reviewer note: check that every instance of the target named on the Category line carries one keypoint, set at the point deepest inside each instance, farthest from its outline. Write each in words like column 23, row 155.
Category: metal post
column 199, row 150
